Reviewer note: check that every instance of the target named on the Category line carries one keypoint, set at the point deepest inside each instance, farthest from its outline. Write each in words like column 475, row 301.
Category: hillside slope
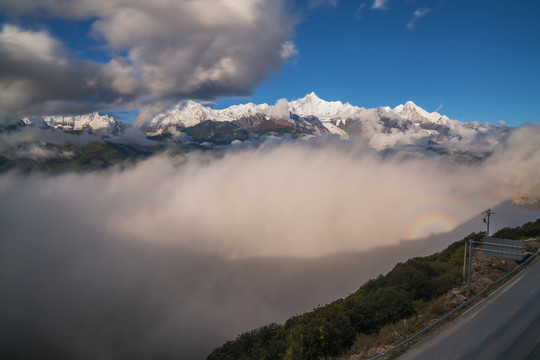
column 330, row 331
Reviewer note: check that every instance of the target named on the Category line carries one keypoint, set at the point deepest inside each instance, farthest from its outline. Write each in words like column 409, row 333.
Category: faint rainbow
column 434, row 213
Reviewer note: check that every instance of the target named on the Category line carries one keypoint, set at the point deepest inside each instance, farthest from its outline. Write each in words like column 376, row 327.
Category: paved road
column 506, row 326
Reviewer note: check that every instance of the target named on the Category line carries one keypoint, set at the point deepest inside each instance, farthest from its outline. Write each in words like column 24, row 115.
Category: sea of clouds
column 174, row 255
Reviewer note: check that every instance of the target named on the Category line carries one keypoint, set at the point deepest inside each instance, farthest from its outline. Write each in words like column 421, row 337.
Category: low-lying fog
column 169, row 258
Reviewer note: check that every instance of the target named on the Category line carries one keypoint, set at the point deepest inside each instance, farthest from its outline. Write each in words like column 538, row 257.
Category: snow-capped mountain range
column 381, row 128
column 191, row 113
column 94, row 122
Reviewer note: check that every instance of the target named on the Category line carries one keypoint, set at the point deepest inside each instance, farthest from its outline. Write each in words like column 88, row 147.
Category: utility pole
column 464, row 260
column 470, row 263
column 488, row 214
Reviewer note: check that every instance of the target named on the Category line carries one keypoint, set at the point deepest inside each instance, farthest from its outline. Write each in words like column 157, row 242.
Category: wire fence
column 459, row 307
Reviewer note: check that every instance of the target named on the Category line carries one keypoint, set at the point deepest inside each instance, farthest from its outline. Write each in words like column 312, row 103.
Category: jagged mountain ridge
column 310, row 113
column 381, row 128
column 93, row 123
column 250, row 117
column 303, row 111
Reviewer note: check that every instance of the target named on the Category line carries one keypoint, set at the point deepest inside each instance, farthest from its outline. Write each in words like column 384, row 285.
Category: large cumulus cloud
column 160, row 51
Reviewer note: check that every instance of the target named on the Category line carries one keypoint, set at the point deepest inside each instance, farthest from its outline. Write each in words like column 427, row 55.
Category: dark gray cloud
column 164, row 51
column 37, row 74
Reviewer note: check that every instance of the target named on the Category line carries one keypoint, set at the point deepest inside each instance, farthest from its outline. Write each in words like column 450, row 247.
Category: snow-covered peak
column 186, row 113
column 415, row 113
column 92, row 122
column 311, row 104
column 243, row 110
column 35, row 121
column 190, row 113
column 312, row 97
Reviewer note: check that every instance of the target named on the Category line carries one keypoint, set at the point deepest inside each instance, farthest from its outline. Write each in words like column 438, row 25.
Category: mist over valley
column 176, row 252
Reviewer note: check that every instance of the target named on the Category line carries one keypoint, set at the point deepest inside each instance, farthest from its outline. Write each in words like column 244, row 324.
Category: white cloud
column 288, row 50
column 302, row 199
column 514, row 164
column 315, row 3
column 163, row 50
column 358, row 13
column 281, row 109
column 417, row 14
column 22, row 44
column 379, row 4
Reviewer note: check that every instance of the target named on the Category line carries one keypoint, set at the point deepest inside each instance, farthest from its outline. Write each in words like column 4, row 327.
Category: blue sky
column 472, row 60
column 480, row 60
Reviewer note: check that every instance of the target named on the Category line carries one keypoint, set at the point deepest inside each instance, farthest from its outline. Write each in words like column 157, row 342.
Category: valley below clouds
column 174, row 255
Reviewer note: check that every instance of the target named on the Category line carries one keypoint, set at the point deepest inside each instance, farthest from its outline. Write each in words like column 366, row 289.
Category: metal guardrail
column 459, row 307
